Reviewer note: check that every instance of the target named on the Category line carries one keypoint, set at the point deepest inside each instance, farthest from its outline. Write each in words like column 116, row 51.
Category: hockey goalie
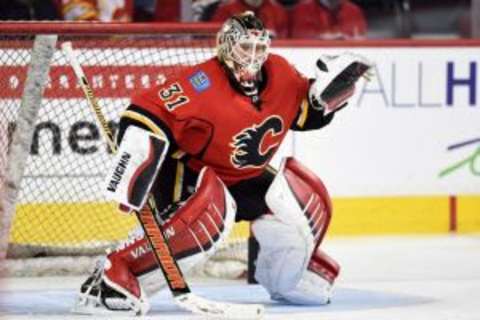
column 200, row 143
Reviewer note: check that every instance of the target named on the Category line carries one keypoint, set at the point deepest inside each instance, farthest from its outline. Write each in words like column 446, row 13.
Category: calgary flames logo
column 255, row 145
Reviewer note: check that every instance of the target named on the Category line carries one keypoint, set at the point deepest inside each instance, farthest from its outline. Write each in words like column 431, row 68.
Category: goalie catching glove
column 335, row 78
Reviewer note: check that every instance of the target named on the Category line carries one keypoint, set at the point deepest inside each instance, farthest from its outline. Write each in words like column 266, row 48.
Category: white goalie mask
column 242, row 45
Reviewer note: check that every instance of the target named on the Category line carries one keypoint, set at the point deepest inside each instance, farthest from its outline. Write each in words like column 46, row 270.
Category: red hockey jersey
column 219, row 127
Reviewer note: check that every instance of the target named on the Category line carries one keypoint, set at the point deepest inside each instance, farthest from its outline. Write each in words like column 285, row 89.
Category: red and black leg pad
column 195, row 230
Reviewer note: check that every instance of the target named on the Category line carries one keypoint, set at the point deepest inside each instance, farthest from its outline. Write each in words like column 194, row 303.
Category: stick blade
column 220, row 310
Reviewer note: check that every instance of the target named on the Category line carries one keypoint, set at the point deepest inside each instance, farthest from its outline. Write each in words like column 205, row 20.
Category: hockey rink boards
column 414, row 278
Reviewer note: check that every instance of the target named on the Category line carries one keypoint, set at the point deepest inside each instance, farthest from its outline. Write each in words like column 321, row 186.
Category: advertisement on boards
column 413, row 129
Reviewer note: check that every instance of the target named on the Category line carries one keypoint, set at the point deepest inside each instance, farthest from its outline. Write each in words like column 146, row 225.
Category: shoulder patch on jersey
column 200, row 81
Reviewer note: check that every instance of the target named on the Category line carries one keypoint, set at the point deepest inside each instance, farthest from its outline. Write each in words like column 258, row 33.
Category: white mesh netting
column 60, row 211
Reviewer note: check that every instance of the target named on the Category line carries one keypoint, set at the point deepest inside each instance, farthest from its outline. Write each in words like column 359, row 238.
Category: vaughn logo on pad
column 135, row 168
column 118, row 172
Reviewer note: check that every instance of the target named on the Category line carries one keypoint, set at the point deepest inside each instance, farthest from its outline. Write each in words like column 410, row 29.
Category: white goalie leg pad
column 301, row 211
column 283, row 256
column 310, row 290
column 316, row 284
column 135, row 167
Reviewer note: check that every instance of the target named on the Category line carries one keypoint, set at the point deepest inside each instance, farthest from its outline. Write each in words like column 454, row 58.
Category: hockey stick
column 174, row 277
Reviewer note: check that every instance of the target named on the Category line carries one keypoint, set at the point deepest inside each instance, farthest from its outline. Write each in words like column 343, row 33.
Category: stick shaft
column 89, row 95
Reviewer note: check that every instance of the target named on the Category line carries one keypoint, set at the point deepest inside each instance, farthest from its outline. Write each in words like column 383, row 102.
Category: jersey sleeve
column 174, row 107
column 306, row 117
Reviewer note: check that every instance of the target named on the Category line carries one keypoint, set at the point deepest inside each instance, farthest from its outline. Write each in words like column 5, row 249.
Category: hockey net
column 61, row 220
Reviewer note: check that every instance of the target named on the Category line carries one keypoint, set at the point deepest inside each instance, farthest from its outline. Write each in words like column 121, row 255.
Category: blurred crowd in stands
column 297, row 19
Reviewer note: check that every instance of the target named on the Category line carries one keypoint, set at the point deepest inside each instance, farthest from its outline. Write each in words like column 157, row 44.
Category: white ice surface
column 387, row 278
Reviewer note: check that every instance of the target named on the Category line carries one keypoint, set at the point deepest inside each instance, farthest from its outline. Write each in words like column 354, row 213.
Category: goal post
column 14, row 162
column 60, row 215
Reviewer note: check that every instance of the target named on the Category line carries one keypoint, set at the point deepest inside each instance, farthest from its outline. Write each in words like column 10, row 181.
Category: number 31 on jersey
column 173, row 96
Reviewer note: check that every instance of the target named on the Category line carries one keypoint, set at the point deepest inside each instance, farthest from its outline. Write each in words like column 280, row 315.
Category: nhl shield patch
column 200, row 81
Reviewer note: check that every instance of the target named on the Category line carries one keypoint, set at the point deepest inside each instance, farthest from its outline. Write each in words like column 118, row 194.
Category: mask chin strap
column 248, row 88
column 251, row 89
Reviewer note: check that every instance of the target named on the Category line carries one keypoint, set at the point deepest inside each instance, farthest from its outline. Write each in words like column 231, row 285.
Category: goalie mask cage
column 59, row 221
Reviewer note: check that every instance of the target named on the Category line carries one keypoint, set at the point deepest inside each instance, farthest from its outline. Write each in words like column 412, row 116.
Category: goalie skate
column 100, row 296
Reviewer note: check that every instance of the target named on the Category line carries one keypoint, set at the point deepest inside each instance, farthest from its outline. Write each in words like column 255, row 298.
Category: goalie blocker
column 135, row 167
